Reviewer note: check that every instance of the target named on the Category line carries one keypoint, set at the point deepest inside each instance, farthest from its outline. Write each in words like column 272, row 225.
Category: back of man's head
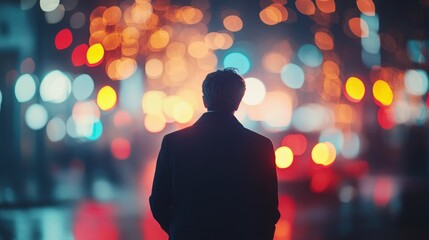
column 223, row 90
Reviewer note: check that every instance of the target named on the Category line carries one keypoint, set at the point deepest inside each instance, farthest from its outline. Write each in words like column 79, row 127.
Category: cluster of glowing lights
column 106, row 98
column 382, row 93
column 355, row 89
column 284, row 157
column 324, row 153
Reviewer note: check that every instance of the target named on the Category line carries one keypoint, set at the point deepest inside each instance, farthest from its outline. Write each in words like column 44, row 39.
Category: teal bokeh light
column 237, row 60
column 310, row 55
column 97, row 131
column 292, row 76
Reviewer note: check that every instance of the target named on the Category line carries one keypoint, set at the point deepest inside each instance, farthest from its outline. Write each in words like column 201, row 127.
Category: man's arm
column 160, row 199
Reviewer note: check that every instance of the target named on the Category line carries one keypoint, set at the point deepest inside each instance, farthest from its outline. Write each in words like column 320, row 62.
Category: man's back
column 217, row 180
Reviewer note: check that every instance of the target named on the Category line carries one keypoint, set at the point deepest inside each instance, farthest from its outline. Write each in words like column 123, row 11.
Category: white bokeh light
column 25, row 88
column 49, row 5
column 55, row 87
column 255, row 91
column 36, row 116
column 83, row 86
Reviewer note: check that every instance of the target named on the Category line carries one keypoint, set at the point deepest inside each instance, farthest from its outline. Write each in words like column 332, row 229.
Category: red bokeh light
column 386, row 118
column 121, row 148
column 296, row 142
column 95, row 221
column 383, row 191
column 79, row 55
column 63, row 39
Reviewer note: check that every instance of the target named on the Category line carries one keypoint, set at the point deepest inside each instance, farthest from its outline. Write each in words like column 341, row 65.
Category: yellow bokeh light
column 154, row 122
column 284, row 157
column 106, row 98
column 233, row 23
column 324, row 153
column 183, row 112
column 382, row 93
column 355, row 89
column 95, row 53
column 159, row 40
column 152, row 102
column 169, row 105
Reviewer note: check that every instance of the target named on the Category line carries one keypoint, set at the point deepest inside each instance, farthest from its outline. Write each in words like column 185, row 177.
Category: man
column 216, row 179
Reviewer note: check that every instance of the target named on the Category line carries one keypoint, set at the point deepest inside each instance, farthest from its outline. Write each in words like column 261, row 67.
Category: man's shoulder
column 179, row 133
column 257, row 136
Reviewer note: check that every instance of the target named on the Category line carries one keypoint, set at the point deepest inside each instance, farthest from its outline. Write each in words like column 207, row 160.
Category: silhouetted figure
column 216, row 179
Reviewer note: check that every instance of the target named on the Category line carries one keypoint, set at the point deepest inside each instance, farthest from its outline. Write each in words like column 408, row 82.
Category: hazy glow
column 49, row 5
column 106, row 98
column 255, row 91
column 284, row 157
column 36, row 116
column 95, row 53
column 1, row 99
column 83, row 86
column 154, row 68
column 183, row 112
column 334, row 136
column 416, row 82
column 311, row 117
column 121, row 148
column 292, row 76
column 154, row 123
column 237, row 60
column 56, row 129
column 351, row 146
column 276, row 111
column 152, row 102
column 323, row 153
column 310, row 55
column 25, row 88
column 55, row 87
column 355, row 89
column 382, row 93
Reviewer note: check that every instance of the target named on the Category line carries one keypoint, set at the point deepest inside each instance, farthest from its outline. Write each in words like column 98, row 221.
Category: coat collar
column 218, row 118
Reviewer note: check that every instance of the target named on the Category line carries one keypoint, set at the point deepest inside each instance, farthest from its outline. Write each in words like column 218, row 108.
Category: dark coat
column 216, row 180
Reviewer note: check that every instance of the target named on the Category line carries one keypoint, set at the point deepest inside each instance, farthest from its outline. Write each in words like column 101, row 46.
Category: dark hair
column 223, row 90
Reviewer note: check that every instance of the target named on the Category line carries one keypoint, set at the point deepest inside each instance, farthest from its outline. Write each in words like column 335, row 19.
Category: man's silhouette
column 216, row 179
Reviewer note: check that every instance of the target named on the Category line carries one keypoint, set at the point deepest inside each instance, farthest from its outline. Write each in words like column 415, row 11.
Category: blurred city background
column 88, row 88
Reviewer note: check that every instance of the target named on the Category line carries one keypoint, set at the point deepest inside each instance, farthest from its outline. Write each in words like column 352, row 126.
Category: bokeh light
column 95, row 53
column 106, row 98
column 310, row 55
column 36, row 116
column 233, row 23
column 56, row 129
column 351, row 146
column 77, row 20
column 25, row 88
column 183, row 112
column 382, row 93
column 296, row 142
column 416, row 82
column 311, row 117
column 55, row 87
column 284, row 157
column 28, row 66
column 386, row 118
column 152, row 102
column 154, row 122
column 276, row 111
column 121, row 148
column 358, row 27
column 237, row 60
column 323, row 153
column 56, row 15
column 255, row 91
column 49, row 5
column 79, row 55
column 334, row 136
column 83, row 86
column 292, row 76
column 355, row 89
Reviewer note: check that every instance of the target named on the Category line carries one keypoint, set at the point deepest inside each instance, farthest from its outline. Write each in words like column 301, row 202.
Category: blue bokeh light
column 237, row 60
column 310, row 55
column 292, row 76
